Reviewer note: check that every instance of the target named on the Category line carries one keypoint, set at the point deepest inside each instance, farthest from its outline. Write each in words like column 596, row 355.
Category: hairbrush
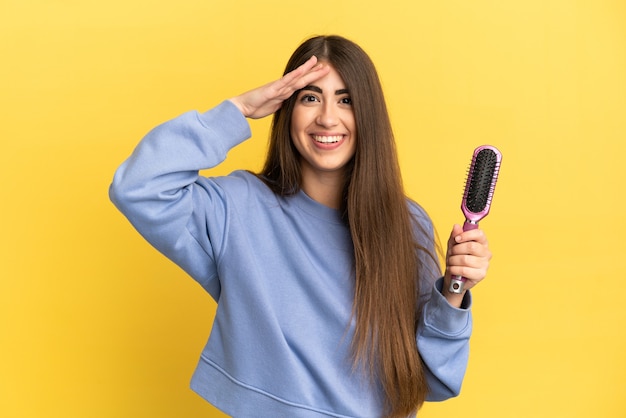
column 479, row 187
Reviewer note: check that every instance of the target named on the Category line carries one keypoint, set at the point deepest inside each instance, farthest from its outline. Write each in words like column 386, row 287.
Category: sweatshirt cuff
column 225, row 121
column 444, row 317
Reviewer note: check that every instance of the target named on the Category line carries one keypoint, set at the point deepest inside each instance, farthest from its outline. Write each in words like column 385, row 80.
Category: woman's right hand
column 267, row 99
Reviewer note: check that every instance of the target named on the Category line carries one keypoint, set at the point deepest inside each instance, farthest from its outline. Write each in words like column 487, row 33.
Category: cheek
column 294, row 134
column 349, row 121
column 295, row 138
column 354, row 135
column 298, row 116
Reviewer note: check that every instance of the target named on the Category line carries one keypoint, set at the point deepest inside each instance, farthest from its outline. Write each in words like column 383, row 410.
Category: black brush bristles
column 481, row 180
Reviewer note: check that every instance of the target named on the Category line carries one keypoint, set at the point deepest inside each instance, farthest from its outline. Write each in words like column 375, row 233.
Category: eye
column 346, row 101
column 308, row 98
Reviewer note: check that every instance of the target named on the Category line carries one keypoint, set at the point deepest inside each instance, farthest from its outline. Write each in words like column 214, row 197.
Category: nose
column 327, row 115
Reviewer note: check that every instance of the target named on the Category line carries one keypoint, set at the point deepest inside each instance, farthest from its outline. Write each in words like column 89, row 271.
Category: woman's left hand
column 468, row 255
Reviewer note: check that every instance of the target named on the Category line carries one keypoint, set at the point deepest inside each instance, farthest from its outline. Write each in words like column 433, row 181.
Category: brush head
column 481, row 182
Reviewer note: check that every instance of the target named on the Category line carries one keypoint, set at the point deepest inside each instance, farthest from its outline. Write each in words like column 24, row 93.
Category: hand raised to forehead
column 267, row 99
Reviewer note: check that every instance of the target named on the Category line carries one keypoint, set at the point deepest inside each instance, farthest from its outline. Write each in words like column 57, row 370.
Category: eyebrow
column 319, row 90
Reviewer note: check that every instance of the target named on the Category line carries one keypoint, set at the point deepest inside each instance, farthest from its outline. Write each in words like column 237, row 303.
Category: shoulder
column 423, row 227
column 241, row 180
column 242, row 186
column 419, row 216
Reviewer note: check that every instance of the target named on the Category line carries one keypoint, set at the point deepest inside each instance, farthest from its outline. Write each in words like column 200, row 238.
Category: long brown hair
column 376, row 210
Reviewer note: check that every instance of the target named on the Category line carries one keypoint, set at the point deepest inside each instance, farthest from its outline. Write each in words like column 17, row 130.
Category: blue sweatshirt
column 281, row 271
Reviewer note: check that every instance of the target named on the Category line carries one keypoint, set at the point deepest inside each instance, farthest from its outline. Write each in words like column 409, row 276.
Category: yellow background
column 95, row 323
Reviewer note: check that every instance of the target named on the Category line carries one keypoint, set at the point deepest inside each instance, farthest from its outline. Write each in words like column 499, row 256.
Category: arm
column 157, row 187
column 159, row 190
column 446, row 322
column 443, row 343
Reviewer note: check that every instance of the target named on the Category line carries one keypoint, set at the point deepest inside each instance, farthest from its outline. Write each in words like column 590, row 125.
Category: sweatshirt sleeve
column 443, row 342
column 444, row 331
column 158, row 189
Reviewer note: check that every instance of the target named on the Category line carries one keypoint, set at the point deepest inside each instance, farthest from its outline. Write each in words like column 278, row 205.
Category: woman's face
column 323, row 129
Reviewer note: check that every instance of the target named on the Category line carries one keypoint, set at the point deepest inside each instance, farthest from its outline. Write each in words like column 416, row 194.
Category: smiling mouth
column 327, row 139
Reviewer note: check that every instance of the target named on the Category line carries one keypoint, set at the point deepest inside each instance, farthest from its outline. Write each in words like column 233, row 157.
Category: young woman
column 330, row 300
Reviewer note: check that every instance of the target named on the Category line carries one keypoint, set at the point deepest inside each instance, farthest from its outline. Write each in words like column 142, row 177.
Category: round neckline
column 315, row 208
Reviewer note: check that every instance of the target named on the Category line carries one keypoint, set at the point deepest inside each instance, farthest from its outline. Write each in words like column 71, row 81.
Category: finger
column 456, row 231
column 296, row 74
column 477, row 235
column 473, row 275
column 467, row 260
column 305, row 74
column 471, row 247
column 302, row 69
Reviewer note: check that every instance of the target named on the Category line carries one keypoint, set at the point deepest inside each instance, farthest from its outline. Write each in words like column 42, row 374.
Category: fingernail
column 457, row 238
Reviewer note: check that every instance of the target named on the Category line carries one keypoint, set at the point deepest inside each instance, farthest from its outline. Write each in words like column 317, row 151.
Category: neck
column 324, row 188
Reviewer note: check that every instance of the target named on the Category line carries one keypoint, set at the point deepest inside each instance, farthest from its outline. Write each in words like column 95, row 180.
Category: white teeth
column 327, row 139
